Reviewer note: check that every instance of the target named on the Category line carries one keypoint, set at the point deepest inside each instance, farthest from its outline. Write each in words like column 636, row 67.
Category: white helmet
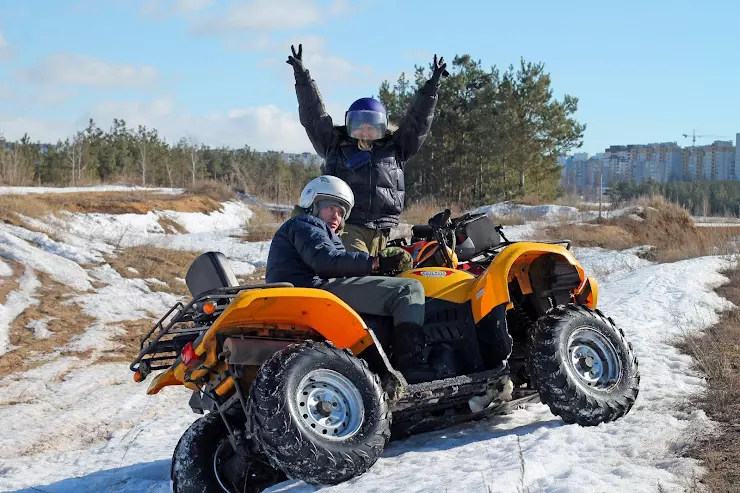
column 327, row 187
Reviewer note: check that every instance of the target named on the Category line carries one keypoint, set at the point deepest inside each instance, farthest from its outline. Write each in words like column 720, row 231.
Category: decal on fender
column 432, row 273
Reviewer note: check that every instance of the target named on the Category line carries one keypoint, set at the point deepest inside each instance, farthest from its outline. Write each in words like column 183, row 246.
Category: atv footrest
column 449, row 391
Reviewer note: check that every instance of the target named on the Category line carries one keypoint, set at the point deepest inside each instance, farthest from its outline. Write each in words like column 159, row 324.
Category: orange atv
column 296, row 384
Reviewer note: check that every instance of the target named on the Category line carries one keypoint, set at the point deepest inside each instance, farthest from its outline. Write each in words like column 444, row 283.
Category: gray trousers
column 403, row 299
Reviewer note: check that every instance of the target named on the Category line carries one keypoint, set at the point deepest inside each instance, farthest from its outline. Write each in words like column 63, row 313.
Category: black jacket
column 378, row 185
column 306, row 252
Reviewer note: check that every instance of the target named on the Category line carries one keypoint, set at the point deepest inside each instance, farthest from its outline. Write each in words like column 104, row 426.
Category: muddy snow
column 73, row 426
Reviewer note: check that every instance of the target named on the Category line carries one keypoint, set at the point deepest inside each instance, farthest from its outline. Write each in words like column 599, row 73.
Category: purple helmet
column 366, row 119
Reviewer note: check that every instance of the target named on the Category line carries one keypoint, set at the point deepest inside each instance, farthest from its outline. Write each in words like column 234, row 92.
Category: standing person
column 307, row 253
column 365, row 153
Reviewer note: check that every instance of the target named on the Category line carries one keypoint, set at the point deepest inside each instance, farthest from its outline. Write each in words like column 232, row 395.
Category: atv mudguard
column 311, row 308
column 491, row 288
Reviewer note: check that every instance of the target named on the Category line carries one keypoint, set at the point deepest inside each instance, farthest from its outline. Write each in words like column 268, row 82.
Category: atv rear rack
column 163, row 352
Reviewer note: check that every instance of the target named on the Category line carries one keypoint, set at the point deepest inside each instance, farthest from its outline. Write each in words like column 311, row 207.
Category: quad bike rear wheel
column 204, row 462
column 318, row 413
column 585, row 370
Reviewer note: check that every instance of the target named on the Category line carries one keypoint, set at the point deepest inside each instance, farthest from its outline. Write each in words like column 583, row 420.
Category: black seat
column 210, row 270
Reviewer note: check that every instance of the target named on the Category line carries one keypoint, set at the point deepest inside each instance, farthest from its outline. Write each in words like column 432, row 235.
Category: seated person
column 307, row 252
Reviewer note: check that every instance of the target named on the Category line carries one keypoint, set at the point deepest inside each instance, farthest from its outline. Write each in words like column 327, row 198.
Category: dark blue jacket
column 306, row 252
column 378, row 184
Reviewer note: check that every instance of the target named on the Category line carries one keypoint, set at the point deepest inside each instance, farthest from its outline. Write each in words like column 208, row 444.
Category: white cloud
column 262, row 128
column 73, row 69
column 162, row 9
column 6, row 51
column 268, row 15
column 192, row 5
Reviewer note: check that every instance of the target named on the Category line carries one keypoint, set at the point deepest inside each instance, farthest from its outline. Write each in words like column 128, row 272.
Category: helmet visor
column 366, row 125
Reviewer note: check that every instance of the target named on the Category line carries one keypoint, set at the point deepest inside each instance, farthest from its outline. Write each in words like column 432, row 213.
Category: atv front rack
column 157, row 353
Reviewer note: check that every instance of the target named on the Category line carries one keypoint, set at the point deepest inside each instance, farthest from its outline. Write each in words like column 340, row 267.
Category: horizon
column 216, row 71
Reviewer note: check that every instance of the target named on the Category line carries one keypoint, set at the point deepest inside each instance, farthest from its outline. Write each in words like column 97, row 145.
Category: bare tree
column 194, row 158
column 73, row 151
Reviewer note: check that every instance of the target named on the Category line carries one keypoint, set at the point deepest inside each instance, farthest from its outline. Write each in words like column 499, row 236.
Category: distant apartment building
column 659, row 161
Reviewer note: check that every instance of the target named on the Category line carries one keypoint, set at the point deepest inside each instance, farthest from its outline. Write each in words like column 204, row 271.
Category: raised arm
column 413, row 130
column 311, row 110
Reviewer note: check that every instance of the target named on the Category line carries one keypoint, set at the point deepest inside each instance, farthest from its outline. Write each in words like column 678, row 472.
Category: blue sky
column 215, row 71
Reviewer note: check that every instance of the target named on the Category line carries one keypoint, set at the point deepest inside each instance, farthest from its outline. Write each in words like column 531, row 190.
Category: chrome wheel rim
column 330, row 405
column 593, row 359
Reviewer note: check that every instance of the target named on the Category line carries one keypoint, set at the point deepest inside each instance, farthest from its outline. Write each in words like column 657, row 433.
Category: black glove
column 439, row 69
column 296, row 60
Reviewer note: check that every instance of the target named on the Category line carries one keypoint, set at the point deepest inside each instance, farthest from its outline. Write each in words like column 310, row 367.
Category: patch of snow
column 123, row 299
column 154, row 280
column 530, row 212
column 98, row 337
column 102, row 188
column 605, row 265
column 101, row 429
column 40, row 327
column 131, row 269
column 15, row 303
column 60, row 268
column 75, row 253
column 5, row 269
column 232, row 218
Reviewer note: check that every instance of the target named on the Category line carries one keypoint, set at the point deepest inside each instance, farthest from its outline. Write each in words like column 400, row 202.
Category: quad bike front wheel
column 585, row 369
column 205, row 462
column 318, row 413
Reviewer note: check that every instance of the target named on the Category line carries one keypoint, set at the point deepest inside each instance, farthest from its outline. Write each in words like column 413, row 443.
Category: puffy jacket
column 306, row 253
column 378, row 185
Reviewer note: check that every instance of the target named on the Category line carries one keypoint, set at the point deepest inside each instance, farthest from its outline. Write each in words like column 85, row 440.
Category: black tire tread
column 563, row 396
column 270, row 422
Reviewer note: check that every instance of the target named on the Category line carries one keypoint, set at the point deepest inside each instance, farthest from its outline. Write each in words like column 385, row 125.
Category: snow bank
column 123, row 299
column 60, row 268
column 5, row 269
column 531, row 212
column 102, row 188
column 83, row 427
column 606, row 265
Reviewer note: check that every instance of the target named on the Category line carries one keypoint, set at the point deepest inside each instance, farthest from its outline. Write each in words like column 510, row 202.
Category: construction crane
column 694, row 136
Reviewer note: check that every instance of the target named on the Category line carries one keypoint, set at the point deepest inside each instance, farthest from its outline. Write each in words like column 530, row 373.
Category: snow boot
column 410, row 354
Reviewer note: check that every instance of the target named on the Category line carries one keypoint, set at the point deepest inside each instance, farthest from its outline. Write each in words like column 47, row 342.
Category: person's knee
column 414, row 289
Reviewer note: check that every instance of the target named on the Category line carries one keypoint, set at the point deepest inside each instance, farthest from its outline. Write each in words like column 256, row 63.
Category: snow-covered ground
column 101, row 188
column 72, row 426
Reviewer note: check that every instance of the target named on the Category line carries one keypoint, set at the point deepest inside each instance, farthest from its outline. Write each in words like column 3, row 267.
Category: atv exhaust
column 251, row 352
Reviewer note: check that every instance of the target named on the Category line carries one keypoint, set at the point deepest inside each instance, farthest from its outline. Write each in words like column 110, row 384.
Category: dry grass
column 160, row 263
column 717, row 355
column 420, row 212
column 133, row 202
column 26, row 205
column 171, row 226
column 67, row 322
column 215, row 190
column 664, row 225
column 262, row 225
column 8, row 284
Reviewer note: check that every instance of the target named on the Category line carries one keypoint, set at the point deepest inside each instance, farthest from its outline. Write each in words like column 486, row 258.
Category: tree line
column 141, row 156
column 495, row 136
column 706, row 198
